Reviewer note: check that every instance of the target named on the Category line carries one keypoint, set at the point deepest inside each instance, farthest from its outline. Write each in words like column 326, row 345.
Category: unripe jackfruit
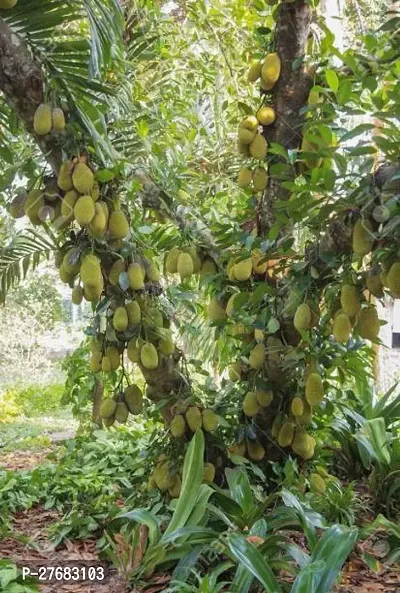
column 374, row 284
column 152, row 272
column 258, row 147
column 317, row 483
column 250, row 122
column 98, row 224
column 297, row 406
column 106, row 364
column 235, row 372
column 77, row 295
column 171, row 262
column 208, row 472
column 368, row 325
column 136, row 276
column 120, row 319
column 192, row 251
column 133, row 397
column 164, row 480
column 64, row 180
column 260, row 179
column 349, row 300
column 83, row 178
column 250, row 405
column 393, row 278
column 175, row 490
column 216, row 311
column 133, row 350
column 286, row 434
column 271, row 68
column 116, row 270
column 266, row 115
column 178, row 426
column 118, row 225
column 363, row 238
column 208, row 267
column 114, row 357
column 84, row 210
column 185, row 265
column 7, row 4
column 254, row 72
column 108, row 407
column 95, row 362
column 314, row 389
column 242, row 269
column 90, row 270
column 149, row 356
column 58, row 119
column 255, row 450
column 276, row 426
column 260, row 265
column 303, row 444
column 245, row 177
column 43, row 119
column 67, row 204
column 341, row 328
column 134, row 313
column 166, row 345
column 33, row 205
column 193, row 418
column 238, row 449
column 303, row 317
column 257, row 356
column 210, row 420
column 71, row 261
column 246, row 136
column 264, row 398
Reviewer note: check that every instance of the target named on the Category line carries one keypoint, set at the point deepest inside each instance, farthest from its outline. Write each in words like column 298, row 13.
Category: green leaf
column 146, row 518
column 332, row 80
column 308, row 579
column 248, row 555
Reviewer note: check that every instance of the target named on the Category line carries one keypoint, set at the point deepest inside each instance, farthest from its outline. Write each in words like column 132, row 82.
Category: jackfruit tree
column 282, row 274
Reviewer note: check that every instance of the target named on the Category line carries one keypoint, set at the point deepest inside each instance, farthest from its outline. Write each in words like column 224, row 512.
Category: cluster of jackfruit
column 88, row 268
column 138, row 273
column 241, row 268
column 352, row 315
column 188, row 262
column 252, row 449
column 48, row 118
column 194, row 418
column 167, row 478
column 290, row 434
column 267, row 71
column 251, row 142
column 256, row 178
column 118, row 408
column 254, row 401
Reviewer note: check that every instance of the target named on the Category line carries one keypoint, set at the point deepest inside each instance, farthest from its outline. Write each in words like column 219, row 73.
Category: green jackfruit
column 341, row 328
column 166, row 345
column 33, row 205
column 164, row 480
column 7, row 4
column 297, row 406
column 374, row 284
column 77, row 295
column 58, row 119
column 393, row 278
column 67, row 204
column 83, row 178
column 276, row 426
column 264, row 398
column 249, row 123
column 303, row 317
column 114, row 357
column 178, row 426
column 242, row 269
column 64, row 275
column 64, row 180
column 216, row 311
column 271, row 68
column 246, row 136
column 250, row 404
column 84, row 210
column 254, row 72
column 317, row 483
column 171, row 262
column 260, row 265
column 98, row 225
column 136, row 276
column 106, row 364
column 134, row 312
column 185, row 265
column 255, row 450
column 152, row 272
column 120, row 319
column 363, row 238
column 192, row 251
column 90, row 270
column 286, row 434
column 235, row 372
column 43, row 119
column 175, row 490
column 108, row 407
column 260, row 179
column 95, row 362
column 133, row 350
column 303, row 445
column 193, row 418
column 71, row 261
column 349, row 300
column 116, row 270
column 118, row 225
column 314, row 389
column 149, row 356
column 209, row 472
column 16, row 207
column 238, row 449
column 208, row 267
column 245, row 177
column 210, row 420
column 257, row 356
column 96, row 344
column 258, row 147
column 133, row 397
column 368, row 326
column 266, row 115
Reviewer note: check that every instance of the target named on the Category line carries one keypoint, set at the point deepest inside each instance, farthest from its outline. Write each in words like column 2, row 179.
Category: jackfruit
column 16, row 207
column 230, row 269
column 215, row 311
column 108, row 407
column 77, row 295
column 341, row 328
column 83, row 178
column 153, row 317
column 312, row 159
column 368, row 326
column 271, row 68
column 230, row 305
column 149, row 356
column 64, row 275
column 43, row 120
column 250, row 122
column 254, row 72
column 303, row 317
column 276, row 426
column 178, row 426
column 121, row 413
column 210, row 420
column 84, row 210
column 260, row 179
column 58, row 119
column 95, row 362
column 114, row 357
column 7, row 4
column 264, row 398
column 98, row 225
column 92, row 292
column 134, row 312
column 90, row 270
column 67, row 204
column 95, row 193
column 193, row 418
column 246, row 136
column 235, row 372
column 317, row 483
column 208, row 472
column 171, row 262
column 349, row 300
column 297, row 406
column 71, row 261
column 64, row 180
column 120, row 319
column 107, row 422
column 245, row 177
column 286, row 434
column 257, row 356
column 208, row 267
column 314, row 389
column 133, row 397
column 175, row 490
column 393, row 279
column 266, row 115
column 152, row 272
column 96, row 344
column 242, row 269
column 185, row 265
column 136, row 276
column 238, row 449
column 166, row 345
column 303, row 444
column 192, row 251
column 255, row 450
column 118, row 225
column 266, row 86
column 243, row 148
column 105, row 364
column 363, row 238
column 164, row 480
column 374, row 284
column 33, row 205
column 260, row 265
column 250, row 404
column 133, row 350
column 258, row 147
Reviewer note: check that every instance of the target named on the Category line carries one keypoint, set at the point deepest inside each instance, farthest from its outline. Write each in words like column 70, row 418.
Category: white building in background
column 389, row 352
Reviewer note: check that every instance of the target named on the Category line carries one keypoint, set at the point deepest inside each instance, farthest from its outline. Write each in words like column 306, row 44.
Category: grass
column 31, row 433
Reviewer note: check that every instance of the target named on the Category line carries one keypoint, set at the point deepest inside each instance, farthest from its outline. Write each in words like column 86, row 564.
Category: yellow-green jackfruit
column 235, row 372
column 114, row 357
column 368, row 325
column 349, row 300
column 149, row 356
column 255, row 450
column 77, row 295
column 163, row 478
column 266, row 115
column 84, row 210
column 271, row 68
column 302, row 318
column 216, row 311
column 58, row 119
column 314, row 389
column 133, row 397
column 33, row 205
column 120, row 319
column 242, row 269
column 185, row 265
column 64, row 180
column 118, row 225
column 208, row 267
column 134, row 312
column 250, row 404
column 67, row 204
column 90, row 269
column 374, row 284
column 317, row 483
column 341, row 328
column 152, row 272
column 363, row 238
column 209, row 472
column 175, row 490
column 166, row 345
column 393, row 279
column 136, row 276
column 133, row 350
column 43, row 119
column 297, row 406
column 108, row 407
column 194, row 418
column 83, row 178
column 95, row 362
column 71, row 261
column 286, row 434
column 254, row 72
column 258, row 147
column 210, row 420
column 171, row 262
column 178, row 426
column 260, row 179
column 246, row 136
column 245, row 177
column 264, row 398
column 7, row 4
column 257, row 356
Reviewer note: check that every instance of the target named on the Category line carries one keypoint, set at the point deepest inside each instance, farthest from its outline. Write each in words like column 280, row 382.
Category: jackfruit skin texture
column 149, row 356
column 363, row 239
column 393, row 279
column 121, row 413
column 153, row 273
column 210, row 421
column 302, row 317
column 303, row 445
column 106, row 364
column 7, row 4
column 276, row 426
column 185, row 265
column 175, row 490
column 43, row 119
column 84, row 210
column 255, row 450
column 260, row 179
column 166, row 345
column 116, row 270
column 98, row 224
column 238, row 449
column 133, row 397
column 77, row 295
column 368, row 325
column 245, row 177
column 374, row 284
column 235, row 372
column 90, row 269
column 33, row 205
column 264, row 398
column 250, row 405
column 108, row 407
column 95, row 362
column 171, row 262
column 58, row 119
column 133, row 350
column 243, row 269
column 164, row 480
column 271, row 68
column 317, row 483
column 192, row 251
column 258, row 147
column 118, row 225
column 194, row 418
column 257, row 356
column 136, row 276
column 134, row 313
column 67, row 204
column 297, row 406
column 341, row 328
column 64, row 275
column 114, row 357
column 208, row 267
column 254, row 72
column 349, row 300
column 215, row 311
column 120, row 319
column 250, row 122
column 266, row 115
column 209, row 472
column 286, row 434
column 314, row 389
column 246, row 136
column 178, row 426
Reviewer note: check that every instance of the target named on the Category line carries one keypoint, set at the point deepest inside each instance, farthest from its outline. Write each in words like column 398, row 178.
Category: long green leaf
column 146, row 518
column 247, row 554
column 333, row 548
column 309, row 578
